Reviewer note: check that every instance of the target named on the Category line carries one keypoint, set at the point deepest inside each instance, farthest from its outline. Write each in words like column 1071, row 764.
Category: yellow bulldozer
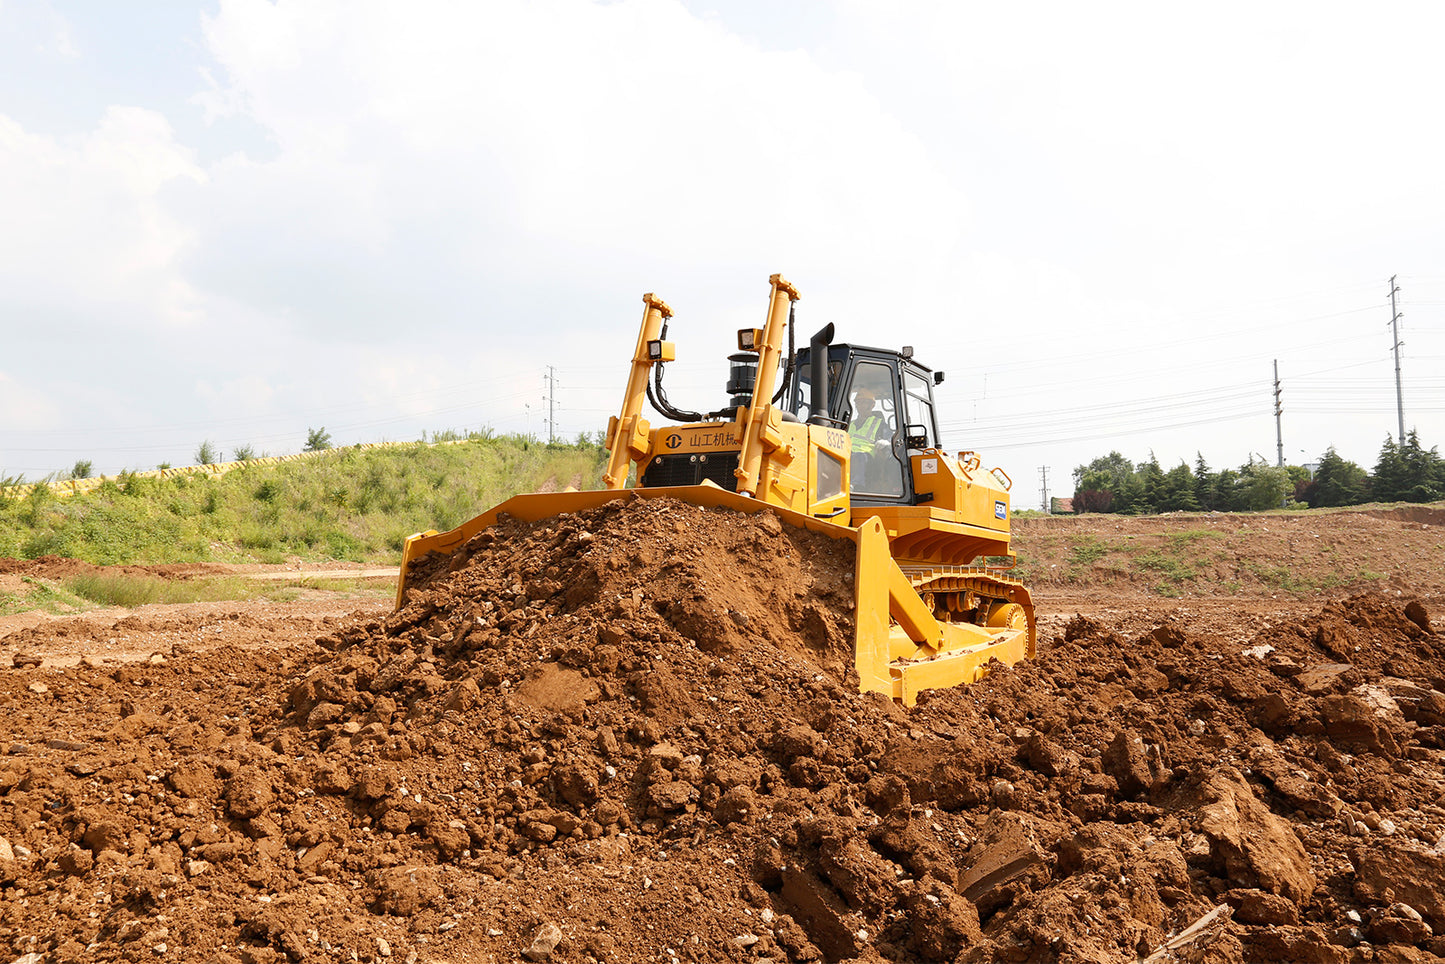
column 847, row 445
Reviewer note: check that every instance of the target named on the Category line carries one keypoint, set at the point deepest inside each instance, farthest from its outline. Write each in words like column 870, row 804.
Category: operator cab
column 885, row 401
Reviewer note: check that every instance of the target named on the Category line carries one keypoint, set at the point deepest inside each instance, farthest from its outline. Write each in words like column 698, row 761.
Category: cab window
column 876, row 468
column 918, row 409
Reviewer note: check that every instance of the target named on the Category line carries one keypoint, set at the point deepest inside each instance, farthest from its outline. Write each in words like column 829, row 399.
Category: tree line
column 1405, row 472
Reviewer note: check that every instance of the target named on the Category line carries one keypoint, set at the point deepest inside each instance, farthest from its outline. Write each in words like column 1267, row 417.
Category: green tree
column 1388, row 484
column 1263, row 487
column 1203, row 483
column 1130, row 499
column 81, row 469
column 1226, row 491
column 206, row 453
column 243, row 454
column 317, row 439
column 1299, row 477
column 1338, row 482
column 1423, row 474
column 1091, row 498
column 1104, row 485
column 1151, row 477
column 1179, row 490
column 1114, row 466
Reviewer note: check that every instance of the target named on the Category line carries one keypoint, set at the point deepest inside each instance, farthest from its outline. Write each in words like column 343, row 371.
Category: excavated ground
column 632, row 735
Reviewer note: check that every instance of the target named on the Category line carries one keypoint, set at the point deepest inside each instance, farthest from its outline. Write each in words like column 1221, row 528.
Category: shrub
column 317, row 439
column 35, row 502
column 135, row 484
column 6, row 483
column 46, row 544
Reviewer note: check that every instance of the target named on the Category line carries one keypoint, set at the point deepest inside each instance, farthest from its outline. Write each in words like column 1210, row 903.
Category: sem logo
column 1000, row 510
column 673, row 440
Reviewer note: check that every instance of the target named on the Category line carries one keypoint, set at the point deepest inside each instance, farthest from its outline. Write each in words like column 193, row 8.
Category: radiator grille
column 691, row 468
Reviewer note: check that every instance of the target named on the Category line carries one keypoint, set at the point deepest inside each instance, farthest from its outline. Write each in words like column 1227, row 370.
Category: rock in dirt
column 1251, row 844
column 1386, row 871
column 544, row 942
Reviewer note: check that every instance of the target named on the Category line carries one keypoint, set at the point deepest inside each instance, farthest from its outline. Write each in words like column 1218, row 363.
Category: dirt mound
column 631, row 734
column 1423, row 515
column 63, row 567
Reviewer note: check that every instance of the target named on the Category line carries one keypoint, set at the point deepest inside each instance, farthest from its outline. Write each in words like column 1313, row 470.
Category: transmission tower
column 1044, row 490
column 551, row 399
column 1395, row 317
column 1278, row 425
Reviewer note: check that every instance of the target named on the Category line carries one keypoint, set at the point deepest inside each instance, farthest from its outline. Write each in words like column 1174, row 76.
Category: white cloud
column 85, row 222
column 571, row 138
column 445, row 197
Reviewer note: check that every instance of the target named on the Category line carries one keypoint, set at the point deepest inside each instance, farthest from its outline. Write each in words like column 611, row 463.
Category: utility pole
column 551, row 379
column 1278, row 431
column 1044, row 491
column 1278, row 409
column 1395, row 335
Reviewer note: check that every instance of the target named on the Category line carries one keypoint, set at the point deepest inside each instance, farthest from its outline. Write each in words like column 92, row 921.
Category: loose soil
column 633, row 734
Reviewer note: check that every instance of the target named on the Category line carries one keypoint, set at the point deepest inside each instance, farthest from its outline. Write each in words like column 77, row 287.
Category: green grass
column 348, row 504
column 41, row 596
column 133, row 591
column 364, row 587
column 1286, row 580
column 1174, row 569
column 130, row 591
column 1087, row 551
column 1085, row 555
column 1179, row 540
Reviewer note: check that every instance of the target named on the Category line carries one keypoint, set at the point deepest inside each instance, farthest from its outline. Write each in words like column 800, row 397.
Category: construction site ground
column 633, row 734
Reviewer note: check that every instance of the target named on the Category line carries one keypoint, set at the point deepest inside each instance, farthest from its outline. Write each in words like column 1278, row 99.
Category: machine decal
column 1000, row 510
column 715, row 438
column 928, row 466
column 673, row 440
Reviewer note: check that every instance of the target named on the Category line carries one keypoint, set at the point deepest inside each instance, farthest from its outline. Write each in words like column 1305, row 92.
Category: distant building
column 1059, row 506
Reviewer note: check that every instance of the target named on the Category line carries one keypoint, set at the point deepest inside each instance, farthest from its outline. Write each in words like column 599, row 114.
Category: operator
column 866, row 422
column 863, row 430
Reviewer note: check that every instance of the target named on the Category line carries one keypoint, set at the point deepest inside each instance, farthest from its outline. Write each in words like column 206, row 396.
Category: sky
column 238, row 221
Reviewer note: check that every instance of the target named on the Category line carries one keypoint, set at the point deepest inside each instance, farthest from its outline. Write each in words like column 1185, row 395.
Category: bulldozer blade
column 900, row 648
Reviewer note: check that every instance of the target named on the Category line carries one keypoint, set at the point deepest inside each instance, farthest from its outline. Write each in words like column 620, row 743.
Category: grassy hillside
column 348, row 504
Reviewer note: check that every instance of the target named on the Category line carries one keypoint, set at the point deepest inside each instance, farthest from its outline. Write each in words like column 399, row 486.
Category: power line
column 1009, row 441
